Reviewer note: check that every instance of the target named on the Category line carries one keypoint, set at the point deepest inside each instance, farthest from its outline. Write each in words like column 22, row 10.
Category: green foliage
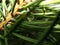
column 38, row 26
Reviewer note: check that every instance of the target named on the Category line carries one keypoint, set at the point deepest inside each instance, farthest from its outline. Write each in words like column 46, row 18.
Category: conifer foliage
column 29, row 22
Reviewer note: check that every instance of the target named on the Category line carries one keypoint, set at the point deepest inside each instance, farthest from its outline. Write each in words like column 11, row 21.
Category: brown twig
column 18, row 6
